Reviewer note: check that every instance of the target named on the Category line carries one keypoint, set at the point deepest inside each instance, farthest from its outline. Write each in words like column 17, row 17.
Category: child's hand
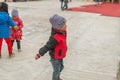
column 37, row 56
column 16, row 28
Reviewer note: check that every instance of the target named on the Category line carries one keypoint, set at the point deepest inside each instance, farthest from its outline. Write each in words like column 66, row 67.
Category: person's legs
column 18, row 45
column 65, row 5
column 1, row 39
column 9, row 45
column 12, row 42
column 61, row 65
column 56, row 69
column 61, row 5
column 61, row 68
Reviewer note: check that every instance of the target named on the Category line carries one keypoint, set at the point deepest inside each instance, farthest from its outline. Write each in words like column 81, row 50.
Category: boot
column 59, row 78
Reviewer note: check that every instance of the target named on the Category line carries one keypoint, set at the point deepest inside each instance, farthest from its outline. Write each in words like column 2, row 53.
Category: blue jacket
column 5, row 23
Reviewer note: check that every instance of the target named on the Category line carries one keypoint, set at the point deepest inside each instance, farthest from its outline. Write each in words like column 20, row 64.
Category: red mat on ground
column 106, row 9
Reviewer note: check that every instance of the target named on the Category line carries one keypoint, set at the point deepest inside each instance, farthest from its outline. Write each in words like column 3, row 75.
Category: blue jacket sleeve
column 11, row 22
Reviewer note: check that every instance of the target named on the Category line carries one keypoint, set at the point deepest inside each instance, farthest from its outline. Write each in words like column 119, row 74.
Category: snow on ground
column 93, row 41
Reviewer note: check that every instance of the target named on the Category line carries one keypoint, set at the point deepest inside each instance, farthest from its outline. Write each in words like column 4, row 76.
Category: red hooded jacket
column 61, row 47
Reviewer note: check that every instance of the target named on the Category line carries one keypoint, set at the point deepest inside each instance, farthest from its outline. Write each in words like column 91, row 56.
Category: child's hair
column 3, row 7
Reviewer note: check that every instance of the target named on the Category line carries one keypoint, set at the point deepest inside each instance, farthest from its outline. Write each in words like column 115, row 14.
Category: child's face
column 63, row 28
column 14, row 17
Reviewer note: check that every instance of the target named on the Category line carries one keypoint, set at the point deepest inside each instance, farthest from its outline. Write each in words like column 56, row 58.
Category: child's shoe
column 19, row 50
column 11, row 55
column 59, row 78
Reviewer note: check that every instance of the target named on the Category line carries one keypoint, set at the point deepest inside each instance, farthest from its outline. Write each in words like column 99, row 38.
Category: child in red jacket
column 16, row 34
column 56, row 45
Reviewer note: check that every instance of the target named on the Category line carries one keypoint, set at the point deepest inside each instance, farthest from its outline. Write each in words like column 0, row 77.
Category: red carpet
column 106, row 9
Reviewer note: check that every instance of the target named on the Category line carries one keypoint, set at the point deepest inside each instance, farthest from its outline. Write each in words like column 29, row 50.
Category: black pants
column 18, row 43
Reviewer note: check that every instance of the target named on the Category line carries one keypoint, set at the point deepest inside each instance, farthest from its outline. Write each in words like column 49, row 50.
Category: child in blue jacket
column 5, row 23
